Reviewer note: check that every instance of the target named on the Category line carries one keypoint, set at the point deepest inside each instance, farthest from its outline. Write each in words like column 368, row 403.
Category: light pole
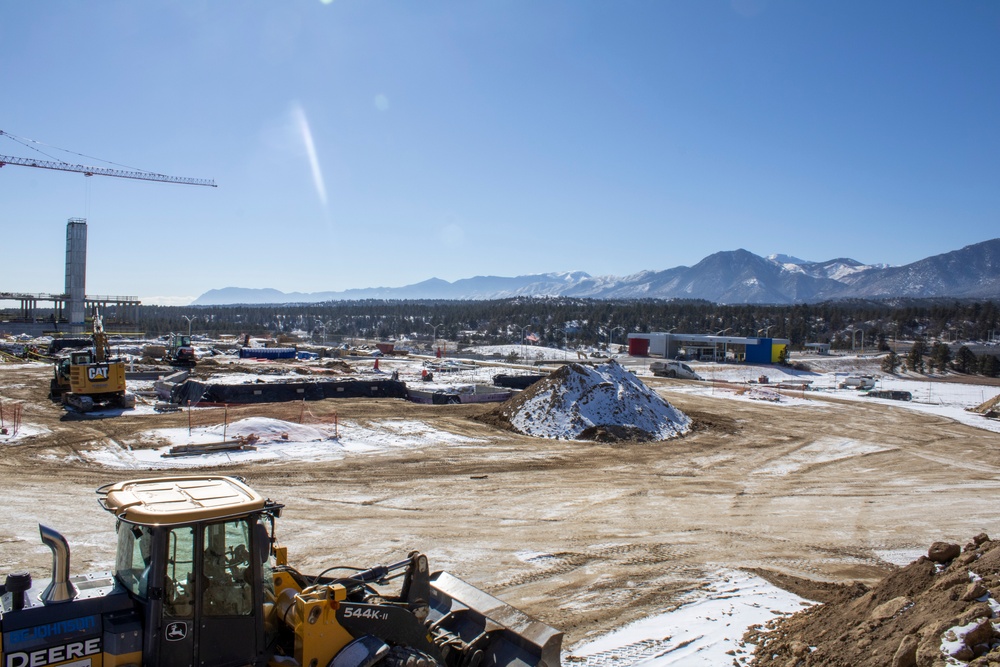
column 725, row 345
column 766, row 330
column 670, row 339
column 611, row 335
column 189, row 320
column 523, row 329
column 434, row 327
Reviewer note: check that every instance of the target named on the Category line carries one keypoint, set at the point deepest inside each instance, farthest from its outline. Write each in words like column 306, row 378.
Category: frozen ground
column 809, row 501
column 705, row 630
column 945, row 399
column 272, row 439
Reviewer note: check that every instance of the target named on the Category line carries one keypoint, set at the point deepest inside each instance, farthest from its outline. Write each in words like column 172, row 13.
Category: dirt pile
column 604, row 403
column 942, row 609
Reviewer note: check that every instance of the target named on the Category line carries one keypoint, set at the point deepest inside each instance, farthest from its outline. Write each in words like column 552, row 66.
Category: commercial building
column 700, row 347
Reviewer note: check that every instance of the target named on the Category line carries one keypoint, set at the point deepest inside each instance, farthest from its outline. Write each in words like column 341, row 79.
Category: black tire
column 406, row 656
column 671, row 374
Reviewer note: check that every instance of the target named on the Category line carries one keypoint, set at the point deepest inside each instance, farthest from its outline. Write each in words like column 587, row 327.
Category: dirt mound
column 939, row 610
column 604, row 403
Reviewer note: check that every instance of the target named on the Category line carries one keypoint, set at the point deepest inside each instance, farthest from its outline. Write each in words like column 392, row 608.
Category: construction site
column 602, row 511
column 816, row 491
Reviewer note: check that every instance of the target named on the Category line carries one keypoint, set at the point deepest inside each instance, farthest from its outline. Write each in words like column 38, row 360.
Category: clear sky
column 363, row 143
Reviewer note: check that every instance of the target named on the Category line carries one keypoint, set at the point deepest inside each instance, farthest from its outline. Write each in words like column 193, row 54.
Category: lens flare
column 302, row 123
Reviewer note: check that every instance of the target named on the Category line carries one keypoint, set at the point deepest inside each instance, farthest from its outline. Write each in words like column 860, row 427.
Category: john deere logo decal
column 96, row 373
column 176, row 631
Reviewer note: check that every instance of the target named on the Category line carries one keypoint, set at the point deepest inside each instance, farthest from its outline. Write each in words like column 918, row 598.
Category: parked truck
column 673, row 369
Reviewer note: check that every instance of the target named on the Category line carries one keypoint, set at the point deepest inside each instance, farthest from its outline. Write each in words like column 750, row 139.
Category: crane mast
column 102, row 171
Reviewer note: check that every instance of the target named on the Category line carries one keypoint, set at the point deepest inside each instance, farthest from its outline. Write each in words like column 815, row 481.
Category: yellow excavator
column 91, row 378
column 199, row 579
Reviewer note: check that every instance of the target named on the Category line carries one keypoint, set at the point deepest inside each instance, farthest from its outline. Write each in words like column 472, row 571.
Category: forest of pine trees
column 591, row 322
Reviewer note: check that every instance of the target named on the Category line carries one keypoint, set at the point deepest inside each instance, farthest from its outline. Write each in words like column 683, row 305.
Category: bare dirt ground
column 585, row 536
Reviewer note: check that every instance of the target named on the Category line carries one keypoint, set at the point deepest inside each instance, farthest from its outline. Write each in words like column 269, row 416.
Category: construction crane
column 98, row 171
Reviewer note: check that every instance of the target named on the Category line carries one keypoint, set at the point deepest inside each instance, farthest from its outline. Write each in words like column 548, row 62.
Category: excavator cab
column 81, row 358
column 193, row 555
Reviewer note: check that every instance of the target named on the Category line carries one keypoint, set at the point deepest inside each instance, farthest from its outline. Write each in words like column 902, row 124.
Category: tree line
column 597, row 322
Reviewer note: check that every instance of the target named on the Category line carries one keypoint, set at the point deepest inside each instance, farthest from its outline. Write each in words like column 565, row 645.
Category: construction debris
column 239, row 444
column 990, row 408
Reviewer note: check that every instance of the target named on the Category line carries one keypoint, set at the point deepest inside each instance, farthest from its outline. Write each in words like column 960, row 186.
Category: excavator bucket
column 507, row 637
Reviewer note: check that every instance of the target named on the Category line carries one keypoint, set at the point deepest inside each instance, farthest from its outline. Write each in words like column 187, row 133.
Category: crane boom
column 102, row 171
column 61, row 165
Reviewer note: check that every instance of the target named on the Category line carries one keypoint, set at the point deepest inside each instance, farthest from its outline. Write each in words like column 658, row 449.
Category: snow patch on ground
column 707, row 628
column 24, row 432
column 277, row 440
column 944, row 399
column 900, row 557
column 824, row 450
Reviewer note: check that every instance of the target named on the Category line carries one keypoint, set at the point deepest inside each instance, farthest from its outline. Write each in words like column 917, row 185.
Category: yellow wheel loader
column 200, row 580
column 91, row 378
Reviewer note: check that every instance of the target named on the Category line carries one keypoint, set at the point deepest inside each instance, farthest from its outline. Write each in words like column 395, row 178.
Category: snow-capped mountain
column 736, row 276
column 841, row 269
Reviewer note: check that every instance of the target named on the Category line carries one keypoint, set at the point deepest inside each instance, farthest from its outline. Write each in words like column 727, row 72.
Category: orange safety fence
column 10, row 417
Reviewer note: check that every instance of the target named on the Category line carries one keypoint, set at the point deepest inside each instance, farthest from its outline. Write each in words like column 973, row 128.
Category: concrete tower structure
column 76, row 272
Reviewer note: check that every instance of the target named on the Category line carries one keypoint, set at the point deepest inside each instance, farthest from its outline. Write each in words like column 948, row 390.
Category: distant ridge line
column 727, row 277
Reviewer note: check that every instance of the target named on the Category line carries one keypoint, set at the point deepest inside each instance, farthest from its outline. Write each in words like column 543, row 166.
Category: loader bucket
column 506, row 636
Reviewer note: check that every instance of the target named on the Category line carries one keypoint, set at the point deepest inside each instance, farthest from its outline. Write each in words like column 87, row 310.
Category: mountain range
column 735, row 276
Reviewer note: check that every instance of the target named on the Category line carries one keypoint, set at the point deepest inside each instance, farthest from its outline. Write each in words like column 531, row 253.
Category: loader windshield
column 134, row 557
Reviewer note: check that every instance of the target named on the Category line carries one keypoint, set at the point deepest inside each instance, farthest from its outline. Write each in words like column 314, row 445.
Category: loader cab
column 193, row 553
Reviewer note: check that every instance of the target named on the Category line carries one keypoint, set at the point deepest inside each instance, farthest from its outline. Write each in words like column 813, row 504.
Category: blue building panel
column 761, row 352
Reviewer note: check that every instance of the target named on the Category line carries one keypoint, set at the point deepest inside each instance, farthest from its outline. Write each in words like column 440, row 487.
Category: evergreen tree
column 940, row 356
column 915, row 358
column 966, row 361
column 890, row 362
column 989, row 365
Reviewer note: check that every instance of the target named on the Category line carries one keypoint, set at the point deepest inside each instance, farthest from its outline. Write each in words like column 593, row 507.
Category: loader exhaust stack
column 61, row 589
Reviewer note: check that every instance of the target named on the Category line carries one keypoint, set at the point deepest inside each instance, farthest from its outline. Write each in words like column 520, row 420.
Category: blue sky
column 362, row 143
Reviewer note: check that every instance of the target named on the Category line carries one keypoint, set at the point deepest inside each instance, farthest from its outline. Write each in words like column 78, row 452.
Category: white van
column 673, row 369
